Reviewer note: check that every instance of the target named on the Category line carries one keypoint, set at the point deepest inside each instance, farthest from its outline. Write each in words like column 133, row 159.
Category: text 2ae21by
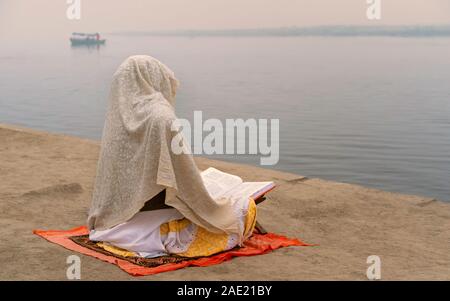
column 232, row 290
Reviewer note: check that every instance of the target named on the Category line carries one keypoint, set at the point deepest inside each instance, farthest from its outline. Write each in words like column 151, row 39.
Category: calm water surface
column 371, row 111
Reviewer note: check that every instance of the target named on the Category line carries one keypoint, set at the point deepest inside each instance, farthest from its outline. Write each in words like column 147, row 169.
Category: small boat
column 78, row 38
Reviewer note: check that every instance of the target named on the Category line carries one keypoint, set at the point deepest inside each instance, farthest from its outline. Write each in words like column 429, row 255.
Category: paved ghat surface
column 46, row 182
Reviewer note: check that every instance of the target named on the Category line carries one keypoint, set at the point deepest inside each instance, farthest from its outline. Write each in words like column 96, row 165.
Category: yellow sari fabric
column 207, row 243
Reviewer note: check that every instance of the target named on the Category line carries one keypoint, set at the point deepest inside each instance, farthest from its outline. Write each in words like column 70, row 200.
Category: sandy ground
column 46, row 183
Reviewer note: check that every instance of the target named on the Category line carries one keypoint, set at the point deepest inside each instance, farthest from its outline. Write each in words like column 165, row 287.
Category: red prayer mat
column 77, row 240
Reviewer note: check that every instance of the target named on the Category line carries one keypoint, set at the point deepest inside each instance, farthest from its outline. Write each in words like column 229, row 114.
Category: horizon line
column 319, row 30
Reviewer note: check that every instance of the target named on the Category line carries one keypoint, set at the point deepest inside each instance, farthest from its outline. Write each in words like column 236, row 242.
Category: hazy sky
column 48, row 17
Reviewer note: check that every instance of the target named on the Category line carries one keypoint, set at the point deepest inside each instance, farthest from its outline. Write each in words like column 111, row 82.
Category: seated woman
column 147, row 200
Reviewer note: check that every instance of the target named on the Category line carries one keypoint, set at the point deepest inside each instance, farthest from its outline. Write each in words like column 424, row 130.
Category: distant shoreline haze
column 322, row 31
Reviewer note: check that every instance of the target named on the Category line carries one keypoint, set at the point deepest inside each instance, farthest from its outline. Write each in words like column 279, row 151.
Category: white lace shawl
column 136, row 161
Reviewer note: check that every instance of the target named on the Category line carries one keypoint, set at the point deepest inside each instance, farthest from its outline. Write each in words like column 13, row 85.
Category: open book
column 220, row 184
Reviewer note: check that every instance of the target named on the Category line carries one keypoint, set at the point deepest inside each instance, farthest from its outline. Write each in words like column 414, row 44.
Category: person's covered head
column 145, row 76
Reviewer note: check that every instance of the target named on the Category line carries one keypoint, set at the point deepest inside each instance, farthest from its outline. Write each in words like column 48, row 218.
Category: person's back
column 141, row 184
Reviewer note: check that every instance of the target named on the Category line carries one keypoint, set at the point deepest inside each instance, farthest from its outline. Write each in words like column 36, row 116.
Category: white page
column 218, row 183
column 246, row 190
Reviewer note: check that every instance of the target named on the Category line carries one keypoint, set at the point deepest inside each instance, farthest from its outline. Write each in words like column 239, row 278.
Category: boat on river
column 79, row 38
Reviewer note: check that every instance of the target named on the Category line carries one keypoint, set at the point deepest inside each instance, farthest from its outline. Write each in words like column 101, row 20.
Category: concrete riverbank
column 46, row 182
